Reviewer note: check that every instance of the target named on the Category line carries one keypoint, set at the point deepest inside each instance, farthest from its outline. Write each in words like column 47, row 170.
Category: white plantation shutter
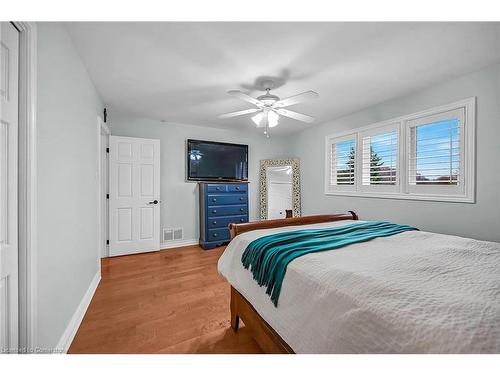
column 341, row 163
column 380, row 151
column 342, row 167
column 436, row 153
column 428, row 155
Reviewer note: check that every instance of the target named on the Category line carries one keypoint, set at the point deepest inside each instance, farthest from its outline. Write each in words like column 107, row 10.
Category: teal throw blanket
column 268, row 256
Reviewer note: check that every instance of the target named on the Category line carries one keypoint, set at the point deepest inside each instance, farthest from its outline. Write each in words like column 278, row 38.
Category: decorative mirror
column 279, row 188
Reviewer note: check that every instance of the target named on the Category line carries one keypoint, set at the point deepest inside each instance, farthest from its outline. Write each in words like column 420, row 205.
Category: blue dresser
column 220, row 205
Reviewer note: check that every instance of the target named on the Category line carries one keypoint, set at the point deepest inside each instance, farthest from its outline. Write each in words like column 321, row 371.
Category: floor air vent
column 178, row 234
column 170, row 234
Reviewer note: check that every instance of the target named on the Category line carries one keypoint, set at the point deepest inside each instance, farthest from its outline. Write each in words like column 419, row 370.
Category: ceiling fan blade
column 299, row 98
column 239, row 113
column 295, row 115
column 248, row 98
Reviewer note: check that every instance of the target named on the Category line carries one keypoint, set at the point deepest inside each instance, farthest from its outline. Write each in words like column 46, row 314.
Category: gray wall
column 480, row 220
column 68, row 106
column 180, row 198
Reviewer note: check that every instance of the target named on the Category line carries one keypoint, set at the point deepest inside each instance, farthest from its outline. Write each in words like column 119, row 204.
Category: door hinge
column 105, row 114
column 107, row 150
column 107, row 242
column 107, row 196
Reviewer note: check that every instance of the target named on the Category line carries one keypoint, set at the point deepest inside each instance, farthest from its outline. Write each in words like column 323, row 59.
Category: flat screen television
column 216, row 161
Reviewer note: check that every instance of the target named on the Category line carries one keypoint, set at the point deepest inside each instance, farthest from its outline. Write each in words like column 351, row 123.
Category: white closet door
column 9, row 58
column 134, row 195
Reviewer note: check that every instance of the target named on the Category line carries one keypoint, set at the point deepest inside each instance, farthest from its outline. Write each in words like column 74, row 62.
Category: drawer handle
column 241, row 198
column 217, row 188
column 214, row 222
column 215, row 234
column 237, row 188
column 214, row 199
column 214, row 211
column 242, row 220
column 242, row 209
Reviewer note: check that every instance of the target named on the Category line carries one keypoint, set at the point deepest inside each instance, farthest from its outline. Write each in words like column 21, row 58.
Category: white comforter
column 415, row 292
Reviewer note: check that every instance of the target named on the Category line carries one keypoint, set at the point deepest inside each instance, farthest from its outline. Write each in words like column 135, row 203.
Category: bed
column 414, row 292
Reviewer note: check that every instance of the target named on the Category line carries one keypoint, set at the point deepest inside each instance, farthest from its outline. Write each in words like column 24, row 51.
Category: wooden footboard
column 263, row 333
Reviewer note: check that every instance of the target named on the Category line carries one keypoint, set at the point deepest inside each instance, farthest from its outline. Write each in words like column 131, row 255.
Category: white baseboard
column 178, row 243
column 70, row 331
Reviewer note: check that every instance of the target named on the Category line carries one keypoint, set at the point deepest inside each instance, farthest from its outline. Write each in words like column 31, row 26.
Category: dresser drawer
column 237, row 187
column 223, row 222
column 227, row 210
column 219, row 234
column 221, row 203
column 215, row 188
column 221, row 199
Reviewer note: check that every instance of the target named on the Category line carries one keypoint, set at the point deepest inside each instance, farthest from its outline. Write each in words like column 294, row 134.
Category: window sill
column 404, row 196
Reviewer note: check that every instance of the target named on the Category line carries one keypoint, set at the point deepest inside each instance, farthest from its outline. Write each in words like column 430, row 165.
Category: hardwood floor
column 171, row 301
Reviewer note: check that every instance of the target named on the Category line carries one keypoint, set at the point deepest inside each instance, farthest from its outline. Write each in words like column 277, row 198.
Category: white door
column 9, row 46
column 134, row 195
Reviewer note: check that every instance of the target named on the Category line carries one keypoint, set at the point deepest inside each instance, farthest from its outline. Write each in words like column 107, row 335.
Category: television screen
column 216, row 161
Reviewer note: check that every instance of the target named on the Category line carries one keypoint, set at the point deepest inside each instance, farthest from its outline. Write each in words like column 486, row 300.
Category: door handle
column 154, row 202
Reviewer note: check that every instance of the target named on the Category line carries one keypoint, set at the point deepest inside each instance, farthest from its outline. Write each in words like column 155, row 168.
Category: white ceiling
column 180, row 72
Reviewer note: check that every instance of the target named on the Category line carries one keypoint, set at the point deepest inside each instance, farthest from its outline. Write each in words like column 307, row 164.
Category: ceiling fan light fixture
column 257, row 118
column 272, row 118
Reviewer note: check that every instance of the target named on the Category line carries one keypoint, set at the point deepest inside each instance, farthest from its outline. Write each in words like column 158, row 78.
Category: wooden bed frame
column 262, row 332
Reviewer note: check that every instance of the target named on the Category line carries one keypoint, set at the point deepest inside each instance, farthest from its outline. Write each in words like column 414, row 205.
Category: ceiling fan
column 270, row 107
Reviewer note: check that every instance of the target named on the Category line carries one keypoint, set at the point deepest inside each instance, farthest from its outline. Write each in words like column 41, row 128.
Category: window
column 341, row 165
column 427, row 156
column 380, row 158
column 436, row 153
